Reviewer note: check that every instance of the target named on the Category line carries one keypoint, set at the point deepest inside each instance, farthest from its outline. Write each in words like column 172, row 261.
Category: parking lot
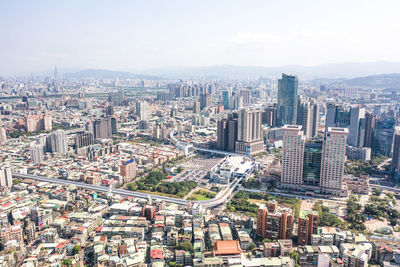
column 196, row 169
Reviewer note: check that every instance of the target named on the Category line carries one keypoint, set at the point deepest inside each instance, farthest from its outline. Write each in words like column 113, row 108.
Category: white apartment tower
column 292, row 156
column 5, row 177
column 333, row 159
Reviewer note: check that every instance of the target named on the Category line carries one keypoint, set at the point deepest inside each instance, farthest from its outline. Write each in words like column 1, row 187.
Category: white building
column 333, row 159
column 292, row 155
column 5, row 177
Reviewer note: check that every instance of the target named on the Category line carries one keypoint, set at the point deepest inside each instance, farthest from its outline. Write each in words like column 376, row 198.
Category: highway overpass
column 221, row 198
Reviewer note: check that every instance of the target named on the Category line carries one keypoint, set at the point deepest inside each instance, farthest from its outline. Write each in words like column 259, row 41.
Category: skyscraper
column 356, row 114
column 36, row 152
column 227, row 133
column 250, row 138
column 287, row 100
column 308, row 117
column 333, row 159
column 196, row 107
column 5, row 177
column 102, row 128
column 396, row 154
column 292, row 156
column 225, row 98
column 57, row 142
column 383, row 136
column 369, row 129
column 84, row 139
column 205, row 101
column 336, row 116
column 142, row 110
column 269, row 116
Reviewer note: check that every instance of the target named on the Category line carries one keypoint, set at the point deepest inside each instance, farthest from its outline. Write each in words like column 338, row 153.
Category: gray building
column 57, row 142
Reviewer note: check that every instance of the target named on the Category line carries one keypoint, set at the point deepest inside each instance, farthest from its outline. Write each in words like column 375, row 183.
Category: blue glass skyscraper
column 287, row 100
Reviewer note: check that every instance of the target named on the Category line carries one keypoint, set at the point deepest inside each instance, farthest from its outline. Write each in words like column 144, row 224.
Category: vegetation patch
column 202, row 195
column 241, row 202
column 154, row 182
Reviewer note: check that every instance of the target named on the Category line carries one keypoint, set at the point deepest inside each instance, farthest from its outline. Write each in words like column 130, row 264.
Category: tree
column 377, row 192
column 67, row 262
column 76, row 249
column 295, row 256
column 252, row 246
column 393, row 221
column 179, row 169
column 185, row 245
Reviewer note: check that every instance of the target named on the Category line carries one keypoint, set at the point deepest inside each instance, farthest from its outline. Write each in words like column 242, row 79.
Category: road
column 98, row 188
column 219, row 199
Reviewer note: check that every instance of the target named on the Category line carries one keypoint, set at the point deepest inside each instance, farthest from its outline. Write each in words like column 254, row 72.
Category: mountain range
column 373, row 74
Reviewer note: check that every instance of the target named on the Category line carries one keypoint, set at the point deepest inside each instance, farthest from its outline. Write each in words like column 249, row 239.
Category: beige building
column 333, row 159
column 292, row 156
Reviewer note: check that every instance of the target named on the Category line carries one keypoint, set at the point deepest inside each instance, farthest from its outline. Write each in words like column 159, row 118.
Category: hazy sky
column 136, row 35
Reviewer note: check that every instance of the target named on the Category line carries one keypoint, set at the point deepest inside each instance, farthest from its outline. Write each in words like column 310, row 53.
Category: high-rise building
column 84, row 139
column 245, row 93
column 269, row 116
column 383, row 136
column 5, row 177
column 336, row 116
column 356, row 114
column 109, row 111
column 57, row 142
column 36, row 152
column 292, row 156
column 333, row 159
column 29, row 231
column 205, row 101
column 369, row 129
column 3, row 136
column 225, row 98
column 308, row 117
column 142, row 110
column 196, row 107
column 396, row 154
column 34, row 123
column 102, row 128
column 128, row 169
column 312, row 163
column 287, row 100
column 274, row 222
column 227, row 133
column 250, row 135
column 307, row 226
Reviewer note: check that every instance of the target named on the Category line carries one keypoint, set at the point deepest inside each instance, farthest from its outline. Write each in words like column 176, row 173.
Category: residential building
column 5, row 177
column 307, row 226
column 274, row 222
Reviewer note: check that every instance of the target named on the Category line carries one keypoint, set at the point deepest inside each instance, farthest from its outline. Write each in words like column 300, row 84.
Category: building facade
column 287, row 100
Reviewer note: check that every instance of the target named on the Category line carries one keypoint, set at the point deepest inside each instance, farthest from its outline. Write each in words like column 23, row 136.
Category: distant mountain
column 377, row 81
column 328, row 71
column 108, row 74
